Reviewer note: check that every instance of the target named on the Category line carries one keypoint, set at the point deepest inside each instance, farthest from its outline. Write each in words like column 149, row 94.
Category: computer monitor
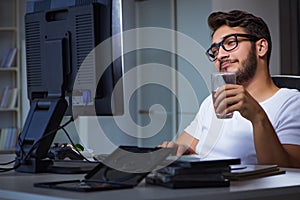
column 59, row 37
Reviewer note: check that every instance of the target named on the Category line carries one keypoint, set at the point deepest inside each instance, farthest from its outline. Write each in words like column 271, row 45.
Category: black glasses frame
column 212, row 56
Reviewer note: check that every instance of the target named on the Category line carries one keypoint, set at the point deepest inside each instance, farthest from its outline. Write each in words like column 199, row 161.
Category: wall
column 190, row 19
column 269, row 11
column 192, row 64
column 155, row 13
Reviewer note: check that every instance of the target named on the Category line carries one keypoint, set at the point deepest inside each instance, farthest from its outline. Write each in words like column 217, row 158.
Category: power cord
column 7, row 163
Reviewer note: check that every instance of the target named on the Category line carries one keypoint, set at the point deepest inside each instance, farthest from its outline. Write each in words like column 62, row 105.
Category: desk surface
column 16, row 185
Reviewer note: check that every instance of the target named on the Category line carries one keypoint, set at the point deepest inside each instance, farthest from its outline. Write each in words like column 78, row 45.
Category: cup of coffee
column 218, row 79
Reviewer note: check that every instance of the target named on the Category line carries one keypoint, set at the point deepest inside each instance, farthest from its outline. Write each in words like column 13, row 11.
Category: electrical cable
column 33, row 147
column 24, row 156
column 73, row 144
column 8, row 169
column 7, row 163
column 46, row 135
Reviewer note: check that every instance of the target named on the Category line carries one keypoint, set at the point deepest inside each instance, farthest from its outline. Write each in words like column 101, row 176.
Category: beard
column 249, row 66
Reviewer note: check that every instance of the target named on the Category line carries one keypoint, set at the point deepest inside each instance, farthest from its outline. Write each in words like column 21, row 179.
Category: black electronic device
column 60, row 152
column 135, row 164
column 59, row 37
column 193, row 173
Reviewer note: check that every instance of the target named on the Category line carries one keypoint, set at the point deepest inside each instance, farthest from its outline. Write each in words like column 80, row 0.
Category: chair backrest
column 287, row 81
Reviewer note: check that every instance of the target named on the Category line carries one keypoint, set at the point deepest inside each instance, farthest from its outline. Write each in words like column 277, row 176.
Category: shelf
column 8, row 69
column 8, row 28
column 7, row 151
column 10, row 77
column 9, row 109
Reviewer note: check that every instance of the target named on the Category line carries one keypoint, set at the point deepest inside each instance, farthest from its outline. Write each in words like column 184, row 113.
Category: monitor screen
column 60, row 39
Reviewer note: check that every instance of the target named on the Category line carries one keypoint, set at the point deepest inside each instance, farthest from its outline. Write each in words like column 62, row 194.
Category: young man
column 265, row 128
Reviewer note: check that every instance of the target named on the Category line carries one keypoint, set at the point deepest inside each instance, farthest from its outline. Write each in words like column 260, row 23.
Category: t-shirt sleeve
column 194, row 128
column 288, row 123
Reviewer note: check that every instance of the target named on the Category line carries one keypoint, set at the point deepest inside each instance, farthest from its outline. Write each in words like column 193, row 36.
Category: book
column 8, row 138
column 4, row 59
column 12, row 138
column 3, row 137
column 176, row 170
column 9, row 57
column 215, row 180
column 9, row 97
column 205, row 163
column 246, row 172
column 13, row 98
column 190, row 177
column 5, row 97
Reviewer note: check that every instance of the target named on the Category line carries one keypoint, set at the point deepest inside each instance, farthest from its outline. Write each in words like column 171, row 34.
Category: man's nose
column 222, row 53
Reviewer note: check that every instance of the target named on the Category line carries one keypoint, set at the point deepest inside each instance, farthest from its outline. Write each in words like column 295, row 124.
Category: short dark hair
column 252, row 24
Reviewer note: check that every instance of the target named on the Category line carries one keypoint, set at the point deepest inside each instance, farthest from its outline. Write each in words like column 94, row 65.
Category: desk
column 16, row 185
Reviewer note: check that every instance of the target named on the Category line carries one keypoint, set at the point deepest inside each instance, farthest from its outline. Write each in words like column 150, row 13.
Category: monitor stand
column 41, row 125
column 71, row 166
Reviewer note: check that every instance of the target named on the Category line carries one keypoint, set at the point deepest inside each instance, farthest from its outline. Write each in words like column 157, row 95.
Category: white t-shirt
column 234, row 137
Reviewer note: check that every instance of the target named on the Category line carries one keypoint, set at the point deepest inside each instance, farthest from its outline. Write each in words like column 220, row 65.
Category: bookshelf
column 10, row 74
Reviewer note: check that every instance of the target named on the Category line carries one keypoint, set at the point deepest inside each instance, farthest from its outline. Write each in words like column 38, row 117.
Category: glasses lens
column 230, row 43
column 212, row 52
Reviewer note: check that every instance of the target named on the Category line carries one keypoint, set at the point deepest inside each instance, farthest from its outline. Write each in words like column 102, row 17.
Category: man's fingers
column 164, row 144
column 181, row 150
column 168, row 144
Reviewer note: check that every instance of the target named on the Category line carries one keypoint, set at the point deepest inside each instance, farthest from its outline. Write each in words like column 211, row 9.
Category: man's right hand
column 185, row 144
column 181, row 148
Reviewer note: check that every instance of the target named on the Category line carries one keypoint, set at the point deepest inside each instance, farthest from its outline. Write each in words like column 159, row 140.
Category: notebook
column 245, row 172
column 128, row 171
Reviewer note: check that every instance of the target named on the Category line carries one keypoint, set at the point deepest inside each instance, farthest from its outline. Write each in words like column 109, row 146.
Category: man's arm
column 185, row 144
column 269, row 149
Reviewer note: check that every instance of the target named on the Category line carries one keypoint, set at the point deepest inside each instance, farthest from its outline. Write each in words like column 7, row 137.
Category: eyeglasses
column 228, row 43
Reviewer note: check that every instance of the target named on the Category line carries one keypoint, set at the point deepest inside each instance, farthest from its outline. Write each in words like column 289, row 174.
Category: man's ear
column 262, row 47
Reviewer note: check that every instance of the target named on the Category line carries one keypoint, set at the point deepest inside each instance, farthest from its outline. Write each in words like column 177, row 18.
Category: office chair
column 287, row 81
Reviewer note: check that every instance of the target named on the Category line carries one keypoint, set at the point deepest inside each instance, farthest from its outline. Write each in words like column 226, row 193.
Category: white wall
column 192, row 21
column 266, row 9
column 24, row 100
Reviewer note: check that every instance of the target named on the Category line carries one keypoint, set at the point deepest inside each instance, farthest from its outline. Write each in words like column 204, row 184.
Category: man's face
column 242, row 59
